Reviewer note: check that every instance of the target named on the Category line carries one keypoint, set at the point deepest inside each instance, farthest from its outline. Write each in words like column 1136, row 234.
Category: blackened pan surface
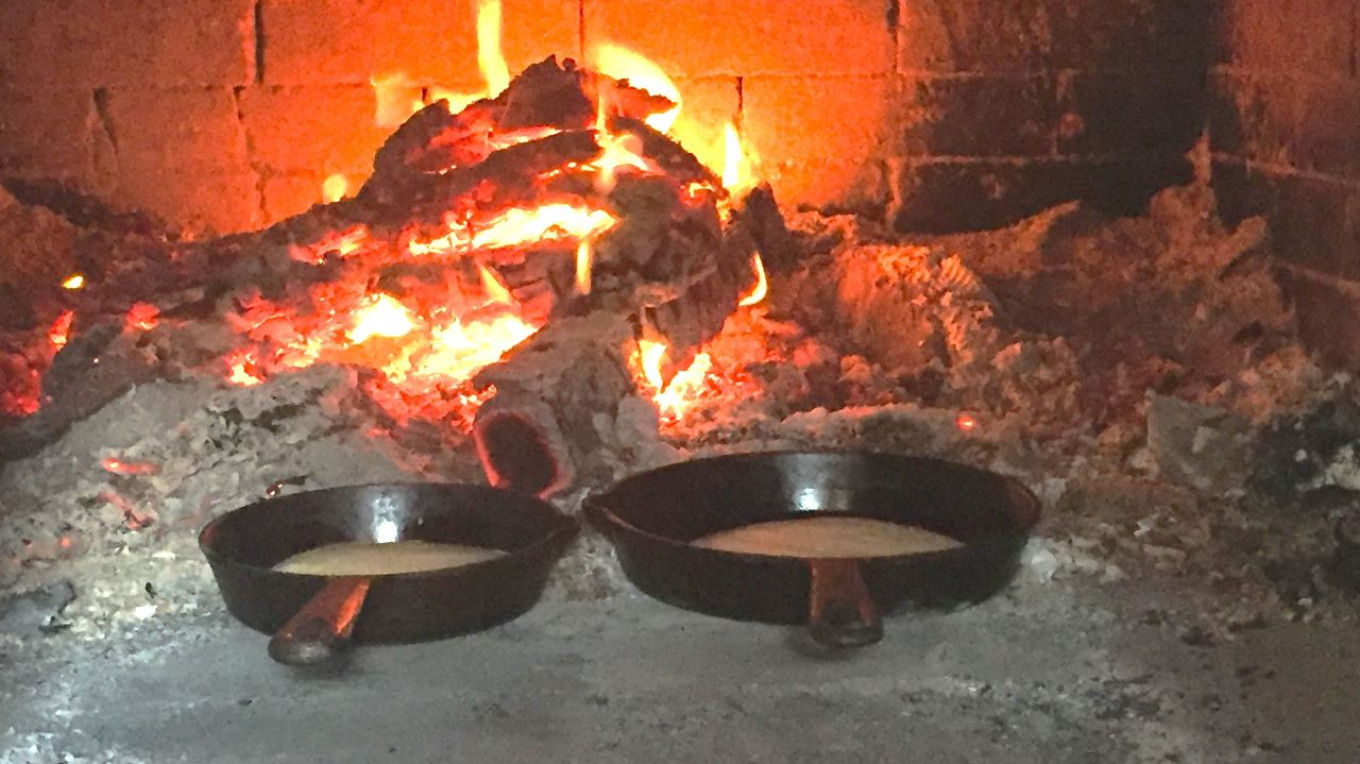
column 652, row 516
column 242, row 546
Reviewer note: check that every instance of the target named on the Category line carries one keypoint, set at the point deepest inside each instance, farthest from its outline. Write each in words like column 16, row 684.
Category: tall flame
column 762, row 285
column 623, row 64
column 495, row 288
column 583, row 257
column 650, row 356
column 489, row 58
column 736, row 174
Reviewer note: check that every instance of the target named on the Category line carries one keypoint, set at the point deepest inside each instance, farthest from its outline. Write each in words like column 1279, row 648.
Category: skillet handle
column 320, row 631
column 840, row 611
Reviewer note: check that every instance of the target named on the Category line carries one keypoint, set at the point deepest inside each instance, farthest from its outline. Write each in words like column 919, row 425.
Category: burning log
column 539, row 431
column 554, row 207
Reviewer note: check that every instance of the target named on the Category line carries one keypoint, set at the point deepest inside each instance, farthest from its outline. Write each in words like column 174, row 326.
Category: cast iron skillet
column 652, row 516
column 313, row 618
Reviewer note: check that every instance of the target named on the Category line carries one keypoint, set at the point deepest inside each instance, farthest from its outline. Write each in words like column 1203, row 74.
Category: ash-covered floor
column 1050, row 673
column 1184, row 599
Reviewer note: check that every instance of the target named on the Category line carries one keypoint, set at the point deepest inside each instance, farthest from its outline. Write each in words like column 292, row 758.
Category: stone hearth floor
column 1050, row 672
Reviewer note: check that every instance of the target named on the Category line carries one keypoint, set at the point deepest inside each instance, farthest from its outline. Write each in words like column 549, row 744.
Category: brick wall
column 225, row 115
column 1285, row 129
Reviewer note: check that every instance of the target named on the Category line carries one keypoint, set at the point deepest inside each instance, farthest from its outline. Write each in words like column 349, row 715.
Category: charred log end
column 521, row 448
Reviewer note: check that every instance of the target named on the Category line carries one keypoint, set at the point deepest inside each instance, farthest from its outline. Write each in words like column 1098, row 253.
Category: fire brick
column 748, row 37
column 1315, row 222
column 318, row 128
column 99, row 43
column 1328, row 139
column 1118, row 112
column 958, row 195
column 290, row 194
column 202, row 203
column 1253, row 116
column 813, row 137
column 47, row 135
column 180, row 130
column 980, row 115
column 1029, row 35
column 1328, row 311
column 1312, row 37
column 353, row 41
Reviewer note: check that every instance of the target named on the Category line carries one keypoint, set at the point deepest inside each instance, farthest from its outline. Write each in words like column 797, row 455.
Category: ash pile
column 1142, row 373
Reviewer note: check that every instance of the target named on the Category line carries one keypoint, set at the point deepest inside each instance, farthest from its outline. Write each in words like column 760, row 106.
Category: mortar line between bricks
column 1272, row 168
column 259, row 42
column 1342, row 283
column 1021, row 161
column 1301, row 75
column 255, row 167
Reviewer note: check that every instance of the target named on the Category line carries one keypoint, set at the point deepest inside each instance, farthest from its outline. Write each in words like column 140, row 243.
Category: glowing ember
column 623, row 64
column 60, row 331
column 344, row 244
column 132, row 517
column 583, row 258
column 119, row 467
column 965, row 422
column 495, row 288
column 73, row 282
column 383, row 316
column 242, row 369
column 489, row 58
column 334, row 188
column 762, row 286
column 141, row 317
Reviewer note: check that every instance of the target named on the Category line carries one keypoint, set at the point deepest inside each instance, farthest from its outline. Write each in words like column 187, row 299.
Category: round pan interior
column 242, row 547
column 652, row 517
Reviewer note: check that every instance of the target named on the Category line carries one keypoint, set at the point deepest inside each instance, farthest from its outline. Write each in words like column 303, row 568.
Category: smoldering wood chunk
column 1202, row 447
column 98, row 365
column 680, row 165
column 906, row 306
column 547, row 94
column 759, row 213
column 555, row 385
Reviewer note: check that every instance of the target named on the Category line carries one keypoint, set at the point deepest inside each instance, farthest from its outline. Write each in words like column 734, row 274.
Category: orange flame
column 640, row 72
column 489, row 58
column 73, row 282
column 762, row 285
column 518, row 226
column 583, row 258
column 737, row 176
column 383, row 316
column 495, row 288
column 650, row 356
column 395, row 98
column 680, row 394
column 965, row 422
column 334, row 188
column 59, row 333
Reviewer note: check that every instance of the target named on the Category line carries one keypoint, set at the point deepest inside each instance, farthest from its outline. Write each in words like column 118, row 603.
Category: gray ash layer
column 1125, row 369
